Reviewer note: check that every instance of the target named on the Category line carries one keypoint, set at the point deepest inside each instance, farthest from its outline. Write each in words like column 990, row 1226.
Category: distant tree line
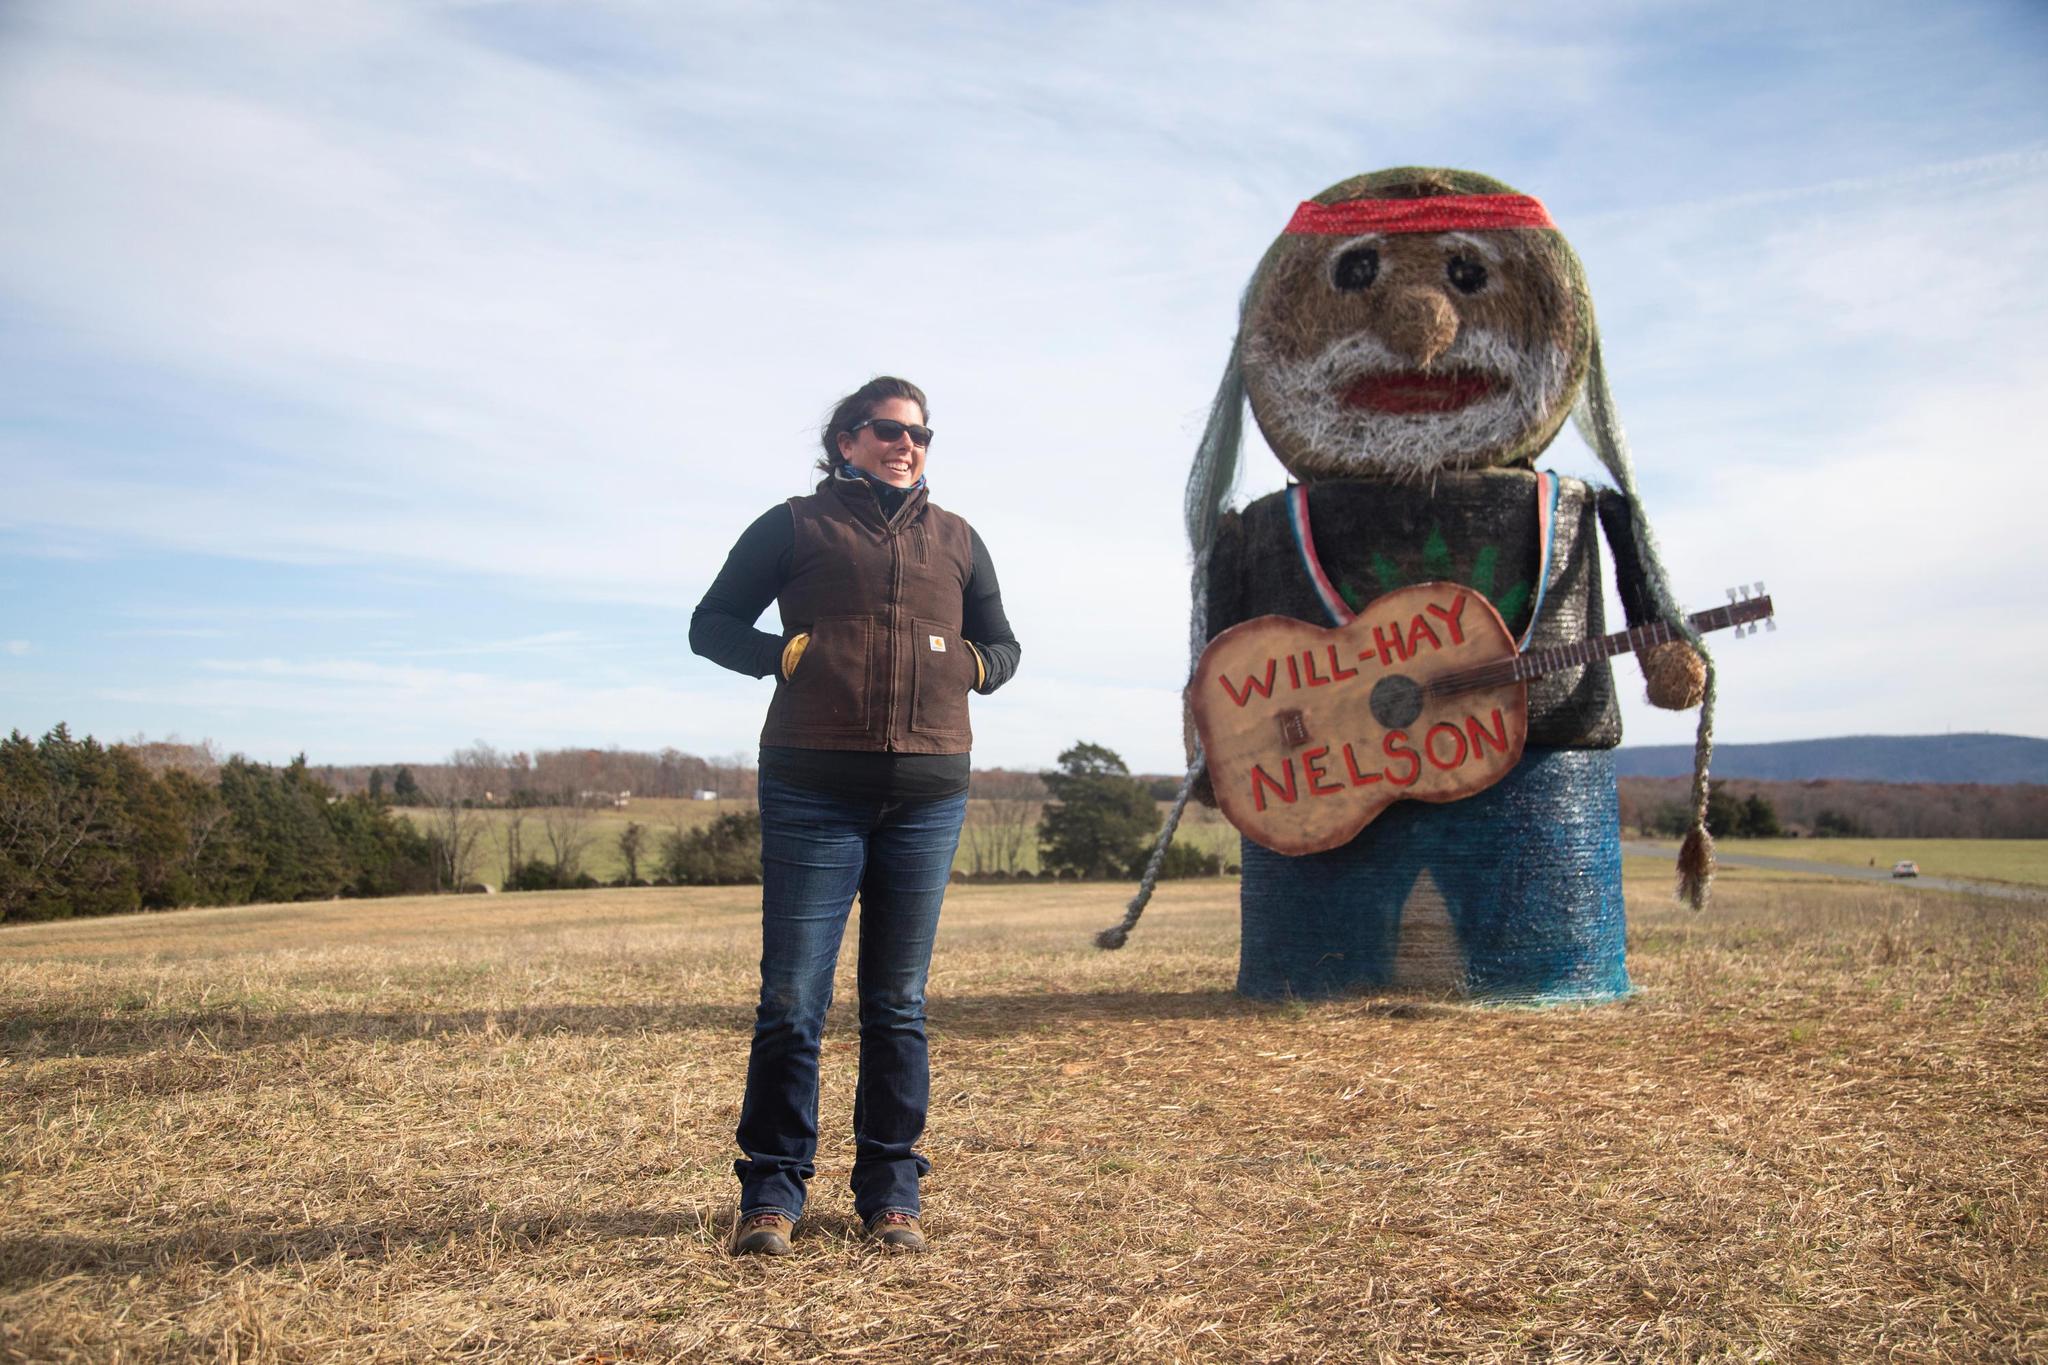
column 1728, row 816
column 549, row 777
column 92, row 829
column 1089, row 819
column 1831, row 809
column 88, row 829
column 1098, row 823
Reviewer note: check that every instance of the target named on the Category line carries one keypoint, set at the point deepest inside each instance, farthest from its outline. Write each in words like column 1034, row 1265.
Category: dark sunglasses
column 889, row 431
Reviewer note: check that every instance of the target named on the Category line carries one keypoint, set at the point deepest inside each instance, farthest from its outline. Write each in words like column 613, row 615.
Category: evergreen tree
column 1831, row 823
column 217, row 865
column 87, row 829
column 1724, row 813
column 64, row 831
column 726, row 852
column 405, row 791
column 1181, row 860
column 157, row 843
column 1760, row 818
column 1100, row 820
column 281, row 816
column 382, row 854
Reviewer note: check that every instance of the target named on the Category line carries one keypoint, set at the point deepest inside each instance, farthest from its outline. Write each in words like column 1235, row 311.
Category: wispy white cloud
column 1899, row 552
column 170, row 633
column 463, row 295
column 548, row 299
column 540, row 642
column 248, row 613
column 381, row 710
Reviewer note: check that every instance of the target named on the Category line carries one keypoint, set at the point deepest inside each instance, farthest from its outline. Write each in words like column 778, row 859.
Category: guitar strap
column 1547, row 491
column 1305, row 542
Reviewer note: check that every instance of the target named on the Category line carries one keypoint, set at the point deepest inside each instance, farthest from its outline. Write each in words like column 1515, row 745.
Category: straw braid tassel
column 1696, row 853
column 1597, row 422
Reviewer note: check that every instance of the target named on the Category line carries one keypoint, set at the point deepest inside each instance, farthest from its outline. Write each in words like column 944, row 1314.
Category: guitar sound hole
column 1396, row 701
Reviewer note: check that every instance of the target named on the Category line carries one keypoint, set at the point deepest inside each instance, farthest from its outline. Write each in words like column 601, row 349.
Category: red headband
column 1442, row 213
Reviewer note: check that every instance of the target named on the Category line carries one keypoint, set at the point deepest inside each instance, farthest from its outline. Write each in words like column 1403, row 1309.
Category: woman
column 890, row 616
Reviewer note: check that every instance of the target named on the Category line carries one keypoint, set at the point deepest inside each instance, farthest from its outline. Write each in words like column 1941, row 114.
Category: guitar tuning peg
column 1770, row 623
column 1759, row 587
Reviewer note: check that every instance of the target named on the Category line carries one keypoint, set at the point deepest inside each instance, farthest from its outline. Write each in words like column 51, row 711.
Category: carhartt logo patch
column 938, row 643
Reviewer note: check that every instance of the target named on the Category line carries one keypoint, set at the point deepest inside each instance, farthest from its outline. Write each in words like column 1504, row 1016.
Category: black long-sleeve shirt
column 722, row 629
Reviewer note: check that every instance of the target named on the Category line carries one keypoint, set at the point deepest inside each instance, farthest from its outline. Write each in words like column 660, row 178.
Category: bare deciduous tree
column 999, row 833
column 456, row 825
column 669, row 773
column 171, row 754
column 511, row 841
column 729, row 774
column 569, row 835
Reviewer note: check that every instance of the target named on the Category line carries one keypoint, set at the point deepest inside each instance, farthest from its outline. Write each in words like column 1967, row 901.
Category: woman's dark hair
column 860, row 405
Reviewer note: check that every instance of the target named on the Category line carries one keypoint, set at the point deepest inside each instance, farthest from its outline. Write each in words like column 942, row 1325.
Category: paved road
column 1848, row 871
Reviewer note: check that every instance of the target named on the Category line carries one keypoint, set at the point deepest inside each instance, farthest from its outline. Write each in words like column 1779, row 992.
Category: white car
column 1905, row 867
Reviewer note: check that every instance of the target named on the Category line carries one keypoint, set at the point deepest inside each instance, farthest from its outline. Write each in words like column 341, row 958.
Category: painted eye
column 1466, row 275
column 1356, row 269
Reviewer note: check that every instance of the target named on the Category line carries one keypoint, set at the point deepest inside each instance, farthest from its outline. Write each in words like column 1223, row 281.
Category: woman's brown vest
column 886, row 668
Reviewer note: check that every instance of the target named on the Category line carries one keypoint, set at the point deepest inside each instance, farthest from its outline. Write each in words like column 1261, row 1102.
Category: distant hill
column 1994, row 759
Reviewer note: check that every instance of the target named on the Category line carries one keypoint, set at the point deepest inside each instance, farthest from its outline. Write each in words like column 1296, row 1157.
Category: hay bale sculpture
column 1401, row 688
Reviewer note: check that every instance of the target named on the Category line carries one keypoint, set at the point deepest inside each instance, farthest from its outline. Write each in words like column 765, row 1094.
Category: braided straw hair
column 1213, row 475
column 1601, row 428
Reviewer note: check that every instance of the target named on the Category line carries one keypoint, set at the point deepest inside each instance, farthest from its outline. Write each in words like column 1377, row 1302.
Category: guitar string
column 1537, row 663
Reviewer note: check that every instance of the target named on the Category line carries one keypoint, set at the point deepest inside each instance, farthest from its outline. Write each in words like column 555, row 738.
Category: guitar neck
column 1536, row 663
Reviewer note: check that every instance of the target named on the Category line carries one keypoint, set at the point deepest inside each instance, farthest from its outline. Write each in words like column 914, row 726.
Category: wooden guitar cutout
column 1311, row 732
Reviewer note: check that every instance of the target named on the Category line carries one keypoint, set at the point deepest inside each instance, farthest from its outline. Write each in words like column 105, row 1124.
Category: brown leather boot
column 897, row 1231
column 762, row 1234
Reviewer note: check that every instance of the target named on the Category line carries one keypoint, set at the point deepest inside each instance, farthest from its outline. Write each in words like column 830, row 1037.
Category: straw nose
column 1421, row 325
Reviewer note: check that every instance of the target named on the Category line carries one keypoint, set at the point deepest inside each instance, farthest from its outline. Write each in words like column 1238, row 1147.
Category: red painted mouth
column 1412, row 391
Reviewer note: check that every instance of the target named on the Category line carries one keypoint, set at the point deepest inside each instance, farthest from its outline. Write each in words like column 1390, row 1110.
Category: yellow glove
column 792, row 653
column 980, row 668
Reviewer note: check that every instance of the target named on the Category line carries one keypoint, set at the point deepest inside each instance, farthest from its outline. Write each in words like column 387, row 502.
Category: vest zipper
column 895, row 637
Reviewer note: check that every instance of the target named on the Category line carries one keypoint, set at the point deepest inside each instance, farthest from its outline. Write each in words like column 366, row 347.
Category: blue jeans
column 817, row 851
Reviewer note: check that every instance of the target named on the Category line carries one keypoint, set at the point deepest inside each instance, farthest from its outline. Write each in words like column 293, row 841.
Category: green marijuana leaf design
column 1437, row 562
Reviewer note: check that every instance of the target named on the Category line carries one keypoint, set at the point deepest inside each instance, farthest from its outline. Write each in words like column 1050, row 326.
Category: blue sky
column 375, row 378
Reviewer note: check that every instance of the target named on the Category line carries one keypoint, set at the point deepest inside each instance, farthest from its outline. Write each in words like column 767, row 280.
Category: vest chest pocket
column 941, row 674
column 833, row 687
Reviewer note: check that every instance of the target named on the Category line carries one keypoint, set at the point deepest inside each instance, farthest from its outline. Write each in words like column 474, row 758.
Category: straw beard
column 1520, row 387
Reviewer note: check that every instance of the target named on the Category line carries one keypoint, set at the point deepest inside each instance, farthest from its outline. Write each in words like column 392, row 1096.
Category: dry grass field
column 498, row 1128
